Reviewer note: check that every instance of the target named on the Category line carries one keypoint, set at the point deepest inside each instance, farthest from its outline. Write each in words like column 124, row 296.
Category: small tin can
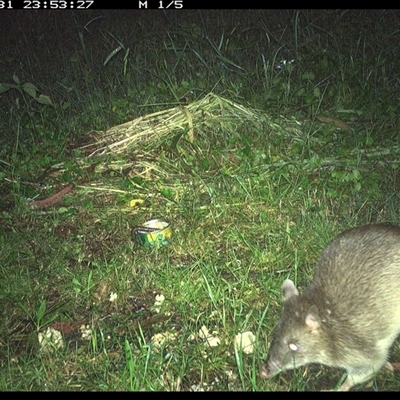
column 153, row 233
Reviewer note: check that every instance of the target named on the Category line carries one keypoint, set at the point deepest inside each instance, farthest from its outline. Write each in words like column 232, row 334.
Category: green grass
column 251, row 201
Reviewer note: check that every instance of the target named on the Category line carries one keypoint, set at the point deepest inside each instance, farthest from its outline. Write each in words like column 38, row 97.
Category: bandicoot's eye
column 292, row 346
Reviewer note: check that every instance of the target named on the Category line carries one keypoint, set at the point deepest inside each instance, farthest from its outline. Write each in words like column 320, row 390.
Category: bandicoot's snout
column 264, row 373
column 270, row 369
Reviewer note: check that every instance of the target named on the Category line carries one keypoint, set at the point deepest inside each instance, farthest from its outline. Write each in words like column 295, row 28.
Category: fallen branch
column 50, row 201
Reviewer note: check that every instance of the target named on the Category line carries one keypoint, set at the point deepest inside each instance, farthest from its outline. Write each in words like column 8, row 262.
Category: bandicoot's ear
column 313, row 320
column 288, row 290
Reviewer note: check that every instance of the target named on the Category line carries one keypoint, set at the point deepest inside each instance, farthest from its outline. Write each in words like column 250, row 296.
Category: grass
column 267, row 162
